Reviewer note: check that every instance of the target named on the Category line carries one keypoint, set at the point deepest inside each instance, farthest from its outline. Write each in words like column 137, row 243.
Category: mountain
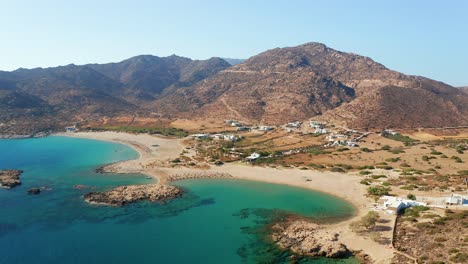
column 146, row 77
column 69, row 93
column 310, row 80
column 464, row 88
column 232, row 61
column 273, row 87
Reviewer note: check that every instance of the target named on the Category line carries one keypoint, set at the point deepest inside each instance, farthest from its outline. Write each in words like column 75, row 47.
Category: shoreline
column 155, row 162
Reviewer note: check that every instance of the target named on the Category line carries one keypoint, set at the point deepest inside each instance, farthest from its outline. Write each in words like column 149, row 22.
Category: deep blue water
column 216, row 221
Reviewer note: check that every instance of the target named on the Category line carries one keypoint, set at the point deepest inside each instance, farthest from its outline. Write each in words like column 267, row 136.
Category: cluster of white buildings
column 319, row 127
column 393, row 205
column 295, row 124
column 335, row 139
column 225, row 137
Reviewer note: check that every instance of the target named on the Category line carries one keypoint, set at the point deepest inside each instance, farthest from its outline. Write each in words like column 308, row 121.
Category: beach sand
column 157, row 152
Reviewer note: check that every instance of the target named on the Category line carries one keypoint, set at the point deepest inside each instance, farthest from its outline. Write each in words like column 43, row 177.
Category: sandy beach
column 157, row 152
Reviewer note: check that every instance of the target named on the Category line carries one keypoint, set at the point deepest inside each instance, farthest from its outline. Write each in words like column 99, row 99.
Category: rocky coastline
column 309, row 239
column 25, row 136
column 124, row 195
column 10, row 178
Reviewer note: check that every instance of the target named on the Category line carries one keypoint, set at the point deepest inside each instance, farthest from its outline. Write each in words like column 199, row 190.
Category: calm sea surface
column 216, row 221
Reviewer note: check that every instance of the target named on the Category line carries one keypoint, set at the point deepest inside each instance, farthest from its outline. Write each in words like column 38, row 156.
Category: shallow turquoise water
column 216, row 221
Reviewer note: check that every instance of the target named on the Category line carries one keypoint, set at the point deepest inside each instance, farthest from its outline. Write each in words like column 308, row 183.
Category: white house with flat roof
column 394, row 204
column 456, row 199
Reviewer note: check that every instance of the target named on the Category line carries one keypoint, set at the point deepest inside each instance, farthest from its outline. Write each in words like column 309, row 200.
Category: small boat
column 149, row 178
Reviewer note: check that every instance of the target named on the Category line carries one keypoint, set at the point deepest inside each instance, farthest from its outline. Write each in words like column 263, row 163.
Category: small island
column 124, row 195
column 10, row 178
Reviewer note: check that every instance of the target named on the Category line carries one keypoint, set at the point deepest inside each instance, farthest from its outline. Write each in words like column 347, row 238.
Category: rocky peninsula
column 10, row 178
column 306, row 238
column 124, row 195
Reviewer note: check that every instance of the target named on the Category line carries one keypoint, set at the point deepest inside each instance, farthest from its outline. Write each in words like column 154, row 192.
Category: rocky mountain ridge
column 273, row 87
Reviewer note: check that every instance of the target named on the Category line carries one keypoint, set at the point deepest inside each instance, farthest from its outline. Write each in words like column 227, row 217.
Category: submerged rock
column 34, row 191
column 306, row 238
column 10, row 178
column 123, row 195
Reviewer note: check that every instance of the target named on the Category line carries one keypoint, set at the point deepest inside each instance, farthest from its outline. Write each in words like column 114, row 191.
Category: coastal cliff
column 10, row 178
column 124, row 195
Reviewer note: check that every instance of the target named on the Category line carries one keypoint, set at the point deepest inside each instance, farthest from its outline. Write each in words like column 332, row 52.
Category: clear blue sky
column 421, row 37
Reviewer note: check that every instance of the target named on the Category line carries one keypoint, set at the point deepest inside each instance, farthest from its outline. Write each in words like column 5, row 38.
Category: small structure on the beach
column 254, row 156
column 71, row 129
column 394, row 204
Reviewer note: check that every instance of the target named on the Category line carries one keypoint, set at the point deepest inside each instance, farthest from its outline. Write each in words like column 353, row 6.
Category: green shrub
column 378, row 191
column 337, row 169
column 365, row 182
column 386, row 147
column 344, row 166
column 366, row 150
column 316, row 166
column 393, row 159
column 457, row 159
column 411, row 196
column 365, row 172
column 401, row 138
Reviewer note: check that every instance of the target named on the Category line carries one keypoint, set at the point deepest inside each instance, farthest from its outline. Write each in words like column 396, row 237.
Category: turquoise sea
column 216, row 221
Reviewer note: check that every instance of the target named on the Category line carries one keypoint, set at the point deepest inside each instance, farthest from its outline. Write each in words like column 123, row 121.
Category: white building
column 390, row 132
column 395, row 204
column 295, row 124
column 71, row 129
column 316, row 124
column 253, row 156
column 265, row 128
column 321, row 131
column 200, row 136
column 456, row 199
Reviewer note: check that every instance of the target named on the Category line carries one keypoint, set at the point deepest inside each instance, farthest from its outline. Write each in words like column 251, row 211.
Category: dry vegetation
column 432, row 236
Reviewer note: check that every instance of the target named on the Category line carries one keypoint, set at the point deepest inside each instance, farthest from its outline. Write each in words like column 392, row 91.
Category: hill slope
column 286, row 84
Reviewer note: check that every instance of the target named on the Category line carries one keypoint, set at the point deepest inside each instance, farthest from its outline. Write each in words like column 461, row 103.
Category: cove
column 216, row 221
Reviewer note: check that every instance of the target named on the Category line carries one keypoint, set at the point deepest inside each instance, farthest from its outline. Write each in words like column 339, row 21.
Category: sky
column 419, row 37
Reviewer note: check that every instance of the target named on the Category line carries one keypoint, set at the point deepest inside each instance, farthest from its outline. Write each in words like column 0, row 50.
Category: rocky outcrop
column 306, row 238
column 10, row 178
column 124, row 195
column 34, row 191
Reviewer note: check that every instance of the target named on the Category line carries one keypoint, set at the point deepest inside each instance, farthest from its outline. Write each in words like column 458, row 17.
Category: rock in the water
column 34, row 191
column 123, row 195
column 10, row 178
column 307, row 238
